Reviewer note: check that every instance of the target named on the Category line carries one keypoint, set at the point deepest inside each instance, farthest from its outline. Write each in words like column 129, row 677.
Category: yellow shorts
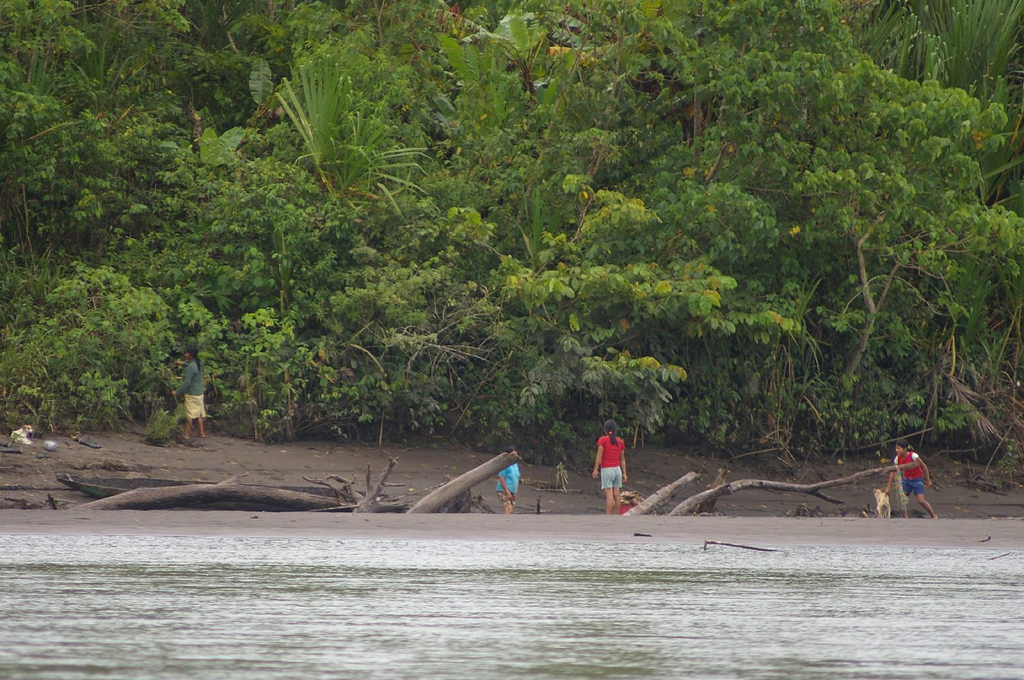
column 194, row 407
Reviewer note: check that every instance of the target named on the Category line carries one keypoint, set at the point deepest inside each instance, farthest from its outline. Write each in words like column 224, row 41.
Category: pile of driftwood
column 704, row 501
column 450, row 496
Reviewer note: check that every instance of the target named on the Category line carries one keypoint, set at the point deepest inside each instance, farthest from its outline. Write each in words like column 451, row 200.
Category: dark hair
column 610, row 427
column 903, row 444
column 194, row 351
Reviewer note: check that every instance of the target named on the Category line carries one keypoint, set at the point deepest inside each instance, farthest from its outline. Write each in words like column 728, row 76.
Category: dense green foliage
column 714, row 221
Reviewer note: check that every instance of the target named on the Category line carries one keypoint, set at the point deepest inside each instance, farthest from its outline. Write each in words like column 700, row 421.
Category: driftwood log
column 437, row 499
column 689, row 505
column 370, row 502
column 737, row 545
column 661, row 495
column 341, row 487
column 226, row 493
column 350, row 500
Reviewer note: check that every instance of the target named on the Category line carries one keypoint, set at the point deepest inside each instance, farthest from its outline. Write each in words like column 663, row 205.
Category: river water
column 146, row 607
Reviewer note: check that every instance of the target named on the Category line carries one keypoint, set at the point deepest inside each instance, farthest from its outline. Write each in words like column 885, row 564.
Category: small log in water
column 737, row 545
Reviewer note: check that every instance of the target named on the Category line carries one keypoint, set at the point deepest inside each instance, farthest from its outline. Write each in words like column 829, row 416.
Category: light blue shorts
column 611, row 478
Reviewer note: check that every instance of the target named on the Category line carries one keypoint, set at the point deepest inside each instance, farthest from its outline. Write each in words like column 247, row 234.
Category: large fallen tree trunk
column 661, row 495
column 691, row 503
column 437, row 499
column 225, row 495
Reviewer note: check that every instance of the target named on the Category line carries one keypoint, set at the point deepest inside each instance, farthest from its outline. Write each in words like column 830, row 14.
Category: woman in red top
column 611, row 461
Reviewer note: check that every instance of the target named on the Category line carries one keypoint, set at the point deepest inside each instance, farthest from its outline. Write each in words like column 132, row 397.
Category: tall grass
column 960, row 43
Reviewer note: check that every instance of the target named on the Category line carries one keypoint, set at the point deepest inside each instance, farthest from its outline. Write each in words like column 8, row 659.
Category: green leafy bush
column 95, row 348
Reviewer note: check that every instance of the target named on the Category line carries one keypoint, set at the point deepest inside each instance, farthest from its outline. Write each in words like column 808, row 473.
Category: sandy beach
column 971, row 515
column 996, row 534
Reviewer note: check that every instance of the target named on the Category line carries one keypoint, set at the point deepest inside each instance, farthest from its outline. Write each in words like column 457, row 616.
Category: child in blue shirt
column 508, row 485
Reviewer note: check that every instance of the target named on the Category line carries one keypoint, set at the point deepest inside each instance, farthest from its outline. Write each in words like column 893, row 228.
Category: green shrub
column 96, row 349
column 160, row 428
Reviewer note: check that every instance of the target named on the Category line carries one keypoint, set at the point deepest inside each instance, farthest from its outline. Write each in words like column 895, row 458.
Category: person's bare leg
column 202, row 432
column 609, row 501
column 617, row 495
column 926, row 505
column 188, row 428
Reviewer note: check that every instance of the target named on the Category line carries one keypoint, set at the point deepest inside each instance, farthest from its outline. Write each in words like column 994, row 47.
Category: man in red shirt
column 915, row 477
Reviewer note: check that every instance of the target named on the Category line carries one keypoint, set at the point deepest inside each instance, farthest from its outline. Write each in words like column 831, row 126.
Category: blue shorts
column 913, row 486
column 611, row 478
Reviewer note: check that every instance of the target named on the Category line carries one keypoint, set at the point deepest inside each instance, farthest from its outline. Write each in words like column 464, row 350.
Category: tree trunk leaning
column 438, row 498
column 662, row 495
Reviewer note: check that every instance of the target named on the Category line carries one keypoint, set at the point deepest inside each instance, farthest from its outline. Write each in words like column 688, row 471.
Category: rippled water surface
column 137, row 607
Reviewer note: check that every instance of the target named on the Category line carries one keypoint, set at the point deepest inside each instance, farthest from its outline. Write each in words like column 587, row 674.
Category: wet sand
column 991, row 534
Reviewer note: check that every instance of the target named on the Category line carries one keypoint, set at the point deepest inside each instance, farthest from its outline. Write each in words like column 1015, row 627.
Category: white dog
column 882, row 506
